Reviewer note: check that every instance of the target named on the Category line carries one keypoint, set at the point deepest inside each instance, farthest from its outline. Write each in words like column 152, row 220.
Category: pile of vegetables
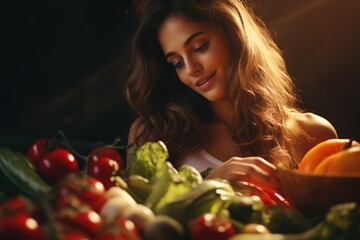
column 53, row 192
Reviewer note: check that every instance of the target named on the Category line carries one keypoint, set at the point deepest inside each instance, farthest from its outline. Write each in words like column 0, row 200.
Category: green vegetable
column 18, row 177
column 171, row 185
column 3, row 196
column 341, row 222
column 280, row 219
column 210, row 196
column 206, row 172
column 192, row 176
column 164, row 228
column 139, row 187
column 153, row 180
column 180, row 194
column 148, row 160
column 242, row 208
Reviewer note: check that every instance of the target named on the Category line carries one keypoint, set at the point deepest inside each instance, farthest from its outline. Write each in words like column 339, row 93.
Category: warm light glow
column 221, row 229
column 31, row 223
column 99, row 186
column 260, row 229
column 280, row 197
column 129, row 225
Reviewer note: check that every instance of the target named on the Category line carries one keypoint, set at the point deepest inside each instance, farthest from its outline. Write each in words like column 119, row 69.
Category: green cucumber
column 18, row 177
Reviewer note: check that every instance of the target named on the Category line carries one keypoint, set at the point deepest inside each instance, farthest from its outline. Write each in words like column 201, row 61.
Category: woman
column 208, row 80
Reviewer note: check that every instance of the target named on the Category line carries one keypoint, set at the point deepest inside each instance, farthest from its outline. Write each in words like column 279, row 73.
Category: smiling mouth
column 203, row 81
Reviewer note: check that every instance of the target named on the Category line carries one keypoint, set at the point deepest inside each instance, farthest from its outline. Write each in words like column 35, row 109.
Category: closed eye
column 179, row 64
column 203, row 47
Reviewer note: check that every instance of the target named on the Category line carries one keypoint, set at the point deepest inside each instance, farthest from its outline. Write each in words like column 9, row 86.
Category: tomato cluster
column 17, row 221
column 86, row 203
column 53, row 162
column 75, row 214
column 79, row 195
column 103, row 163
column 211, row 227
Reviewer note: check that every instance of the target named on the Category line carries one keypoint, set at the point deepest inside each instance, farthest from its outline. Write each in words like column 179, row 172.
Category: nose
column 193, row 67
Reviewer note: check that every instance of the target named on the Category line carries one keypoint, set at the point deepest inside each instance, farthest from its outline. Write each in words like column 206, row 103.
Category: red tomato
column 74, row 235
column 211, row 227
column 70, row 201
column 56, row 165
column 112, row 153
column 103, row 170
column 20, row 226
column 16, row 205
column 120, row 229
column 128, row 228
column 86, row 220
column 39, row 149
column 84, row 188
column 66, row 232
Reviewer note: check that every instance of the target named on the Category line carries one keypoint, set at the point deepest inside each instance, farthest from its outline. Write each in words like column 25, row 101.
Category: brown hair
column 259, row 85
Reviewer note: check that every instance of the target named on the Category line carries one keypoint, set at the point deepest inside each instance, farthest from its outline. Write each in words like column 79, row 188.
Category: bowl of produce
column 314, row 194
column 328, row 174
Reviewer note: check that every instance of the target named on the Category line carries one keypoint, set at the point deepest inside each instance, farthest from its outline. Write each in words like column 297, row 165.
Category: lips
column 203, row 83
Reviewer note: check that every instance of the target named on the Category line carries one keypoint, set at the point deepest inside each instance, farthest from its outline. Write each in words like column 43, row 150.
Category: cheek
column 222, row 58
column 184, row 78
column 220, row 53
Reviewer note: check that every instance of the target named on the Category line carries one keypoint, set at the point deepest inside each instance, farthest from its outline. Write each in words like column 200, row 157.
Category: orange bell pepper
column 343, row 163
column 329, row 149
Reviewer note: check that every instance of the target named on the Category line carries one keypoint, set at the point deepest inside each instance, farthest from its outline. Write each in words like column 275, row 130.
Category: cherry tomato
column 120, row 229
column 71, row 200
column 112, row 153
column 84, row 219
column 211, row 227
column 128, row 228
column 56, row 165
column 104, row 169
column 16, row 205
column 83, row 188
column 64, row 232
column 20, row 226
column 74, row 235
column 40, row 148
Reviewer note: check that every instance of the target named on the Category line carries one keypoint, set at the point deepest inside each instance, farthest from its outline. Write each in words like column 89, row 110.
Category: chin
column 214, row 97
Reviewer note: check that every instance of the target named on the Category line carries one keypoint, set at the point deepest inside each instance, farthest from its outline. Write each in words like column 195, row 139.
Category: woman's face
column 199, row 54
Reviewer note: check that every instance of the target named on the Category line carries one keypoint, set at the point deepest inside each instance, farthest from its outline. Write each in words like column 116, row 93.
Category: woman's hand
column 255, row 170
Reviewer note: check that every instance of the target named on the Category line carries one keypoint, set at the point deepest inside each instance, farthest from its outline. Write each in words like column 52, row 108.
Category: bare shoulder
column 315, row 126
column 314, row 129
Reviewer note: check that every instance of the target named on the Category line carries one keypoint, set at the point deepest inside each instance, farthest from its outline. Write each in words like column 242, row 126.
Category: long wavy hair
column 258, row 83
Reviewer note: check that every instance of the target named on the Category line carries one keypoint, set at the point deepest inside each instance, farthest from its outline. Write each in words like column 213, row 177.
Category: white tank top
column 200, row 160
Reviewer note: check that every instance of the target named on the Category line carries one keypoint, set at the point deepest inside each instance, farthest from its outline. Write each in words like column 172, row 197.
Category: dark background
column 64, row 62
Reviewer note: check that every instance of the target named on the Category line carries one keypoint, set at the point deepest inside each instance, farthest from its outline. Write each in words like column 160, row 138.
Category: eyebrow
column 187, row 42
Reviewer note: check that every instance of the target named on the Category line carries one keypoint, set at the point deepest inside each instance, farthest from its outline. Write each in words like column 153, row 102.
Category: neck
column 223, row 110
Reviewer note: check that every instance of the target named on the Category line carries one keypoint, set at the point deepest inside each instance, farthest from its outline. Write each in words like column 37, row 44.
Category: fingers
column 254, row 170
column 256, row 161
